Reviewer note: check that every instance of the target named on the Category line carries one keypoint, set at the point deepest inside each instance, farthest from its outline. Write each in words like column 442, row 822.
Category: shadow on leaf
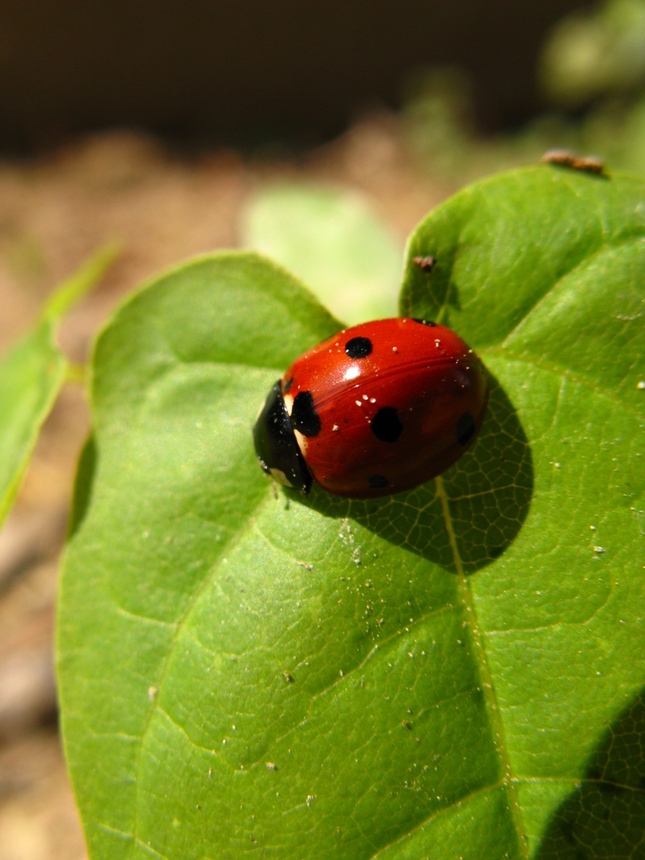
column 468, row 516
column 605, row 815
column 83, row 484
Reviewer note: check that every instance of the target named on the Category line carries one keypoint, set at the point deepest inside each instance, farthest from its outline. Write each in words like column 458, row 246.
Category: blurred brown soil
column 163, row 208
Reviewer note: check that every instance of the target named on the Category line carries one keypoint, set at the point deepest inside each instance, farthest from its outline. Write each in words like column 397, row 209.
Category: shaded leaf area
column 604, row 815
column 242, row 670
column 489, row 496
column 31, row 375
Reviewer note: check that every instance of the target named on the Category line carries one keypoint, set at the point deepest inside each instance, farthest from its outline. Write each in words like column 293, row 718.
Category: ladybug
column 376, row 409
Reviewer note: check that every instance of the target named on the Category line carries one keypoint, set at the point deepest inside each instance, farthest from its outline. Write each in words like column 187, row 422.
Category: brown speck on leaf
column 566, row 158
column 426, row 264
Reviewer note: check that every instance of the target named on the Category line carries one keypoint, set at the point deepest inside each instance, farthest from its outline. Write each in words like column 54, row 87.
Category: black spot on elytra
column 424, row 322
column 386, row 425
column 287, row 385
column 465, row 428
column 378, row 482
column 304, row 416
column 358, row 347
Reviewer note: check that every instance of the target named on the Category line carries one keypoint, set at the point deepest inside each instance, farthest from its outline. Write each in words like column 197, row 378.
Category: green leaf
column 333, row 241
column 455, row 671
column 31, row 375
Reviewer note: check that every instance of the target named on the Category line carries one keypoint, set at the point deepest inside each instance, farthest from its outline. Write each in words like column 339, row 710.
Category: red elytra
column 374, row 410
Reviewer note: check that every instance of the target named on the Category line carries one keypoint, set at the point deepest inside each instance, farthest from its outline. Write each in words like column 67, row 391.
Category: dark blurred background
column 245, row 71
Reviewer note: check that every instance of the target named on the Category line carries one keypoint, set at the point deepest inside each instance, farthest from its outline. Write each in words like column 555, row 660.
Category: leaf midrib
column 486, row 678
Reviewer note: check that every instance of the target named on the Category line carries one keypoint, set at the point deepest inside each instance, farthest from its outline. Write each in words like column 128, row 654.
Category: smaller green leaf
column 333, row 242
column 82, row 281
column 31, row 375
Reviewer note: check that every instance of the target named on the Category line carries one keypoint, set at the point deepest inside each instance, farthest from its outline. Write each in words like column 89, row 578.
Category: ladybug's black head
column 276, row 445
